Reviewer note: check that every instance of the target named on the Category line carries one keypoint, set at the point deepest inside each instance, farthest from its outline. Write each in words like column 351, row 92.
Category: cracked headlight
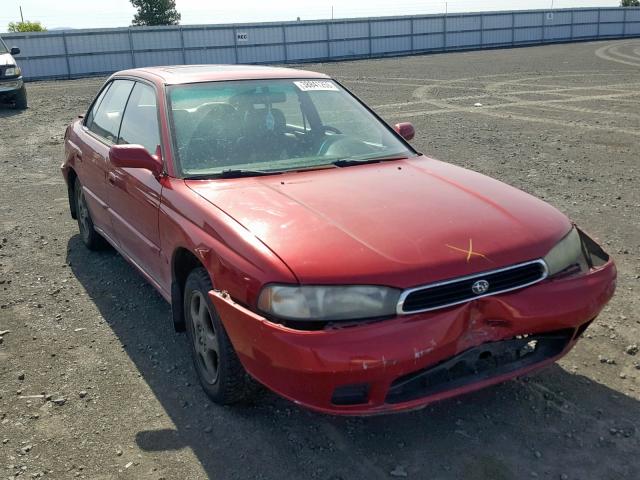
column 328, row 303
column 567, row 256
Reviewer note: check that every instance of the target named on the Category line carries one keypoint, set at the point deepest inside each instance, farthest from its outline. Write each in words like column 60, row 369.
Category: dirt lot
column 561, row 122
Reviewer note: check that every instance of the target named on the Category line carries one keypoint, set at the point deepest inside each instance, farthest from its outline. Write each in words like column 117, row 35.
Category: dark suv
column 12, row 89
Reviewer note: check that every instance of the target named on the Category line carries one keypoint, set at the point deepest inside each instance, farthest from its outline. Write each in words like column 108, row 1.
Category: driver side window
column 140, row 120
column 106, row 121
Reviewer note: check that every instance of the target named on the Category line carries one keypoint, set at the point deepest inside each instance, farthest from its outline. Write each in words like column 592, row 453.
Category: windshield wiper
column 233, row 173
column 350, row 162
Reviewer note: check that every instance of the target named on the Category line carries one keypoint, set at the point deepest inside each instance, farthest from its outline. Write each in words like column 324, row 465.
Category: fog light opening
column 354, row 394
column 528, row 348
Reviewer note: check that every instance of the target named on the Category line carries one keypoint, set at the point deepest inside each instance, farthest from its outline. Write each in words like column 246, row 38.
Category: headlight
column 327, row 303
column 12, row 72
column 567, row 255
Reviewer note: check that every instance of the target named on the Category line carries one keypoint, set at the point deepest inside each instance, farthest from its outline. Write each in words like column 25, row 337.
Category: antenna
column 21, row 17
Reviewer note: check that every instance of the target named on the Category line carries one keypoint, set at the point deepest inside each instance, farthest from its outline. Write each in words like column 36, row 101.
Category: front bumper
column 10, row 86
column 316, row 368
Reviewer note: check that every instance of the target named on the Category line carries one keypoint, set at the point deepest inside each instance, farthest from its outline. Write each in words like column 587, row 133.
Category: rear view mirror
column 135, row 156
column 15, row 51
column 405, row 130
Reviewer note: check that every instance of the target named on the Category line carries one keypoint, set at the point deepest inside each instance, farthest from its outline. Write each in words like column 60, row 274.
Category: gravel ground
column 94, row 383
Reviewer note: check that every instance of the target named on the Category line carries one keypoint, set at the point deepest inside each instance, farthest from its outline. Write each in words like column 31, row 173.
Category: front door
column 134, row 194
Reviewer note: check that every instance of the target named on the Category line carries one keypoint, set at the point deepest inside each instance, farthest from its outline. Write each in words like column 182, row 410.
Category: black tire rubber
column 232, row 384
column 90, row 237
column 20, row 102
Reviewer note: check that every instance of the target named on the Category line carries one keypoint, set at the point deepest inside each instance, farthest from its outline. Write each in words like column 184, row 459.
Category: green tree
column 630, row 3
column 26, row 27
column 155, row 12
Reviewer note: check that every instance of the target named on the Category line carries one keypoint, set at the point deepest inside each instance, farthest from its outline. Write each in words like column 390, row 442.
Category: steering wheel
column 210, row 141
column 329, row 128
column 327, row 142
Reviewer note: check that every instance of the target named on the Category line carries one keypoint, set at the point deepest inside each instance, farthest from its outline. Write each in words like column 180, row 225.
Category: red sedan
column 304, row 244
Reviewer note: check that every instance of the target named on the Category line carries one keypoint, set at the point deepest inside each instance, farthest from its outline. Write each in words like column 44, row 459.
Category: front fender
column 236, row 260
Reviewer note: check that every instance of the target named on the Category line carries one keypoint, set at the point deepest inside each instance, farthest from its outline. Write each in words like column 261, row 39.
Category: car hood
column 6, row 59
column 400, row 223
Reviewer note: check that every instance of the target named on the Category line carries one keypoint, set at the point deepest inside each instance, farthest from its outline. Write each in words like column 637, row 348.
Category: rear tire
column 90, row 237
column 222, row 376
column 20, row 102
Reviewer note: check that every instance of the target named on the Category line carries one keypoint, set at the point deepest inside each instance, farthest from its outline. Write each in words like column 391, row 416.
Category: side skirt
column 144, row 273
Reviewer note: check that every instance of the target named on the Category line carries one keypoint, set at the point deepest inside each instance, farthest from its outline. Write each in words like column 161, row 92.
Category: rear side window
column 140, row 121
column 106, row 121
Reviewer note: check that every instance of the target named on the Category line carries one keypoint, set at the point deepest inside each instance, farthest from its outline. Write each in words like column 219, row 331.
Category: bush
column 26, row 27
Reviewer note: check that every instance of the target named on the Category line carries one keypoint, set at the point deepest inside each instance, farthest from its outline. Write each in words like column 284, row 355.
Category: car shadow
column 553, row 424
column 7, row 110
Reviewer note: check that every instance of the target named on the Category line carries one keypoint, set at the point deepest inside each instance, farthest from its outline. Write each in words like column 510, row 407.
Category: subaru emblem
column 480, row 287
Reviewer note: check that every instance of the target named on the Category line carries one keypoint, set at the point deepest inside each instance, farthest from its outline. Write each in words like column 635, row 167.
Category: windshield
column 268, row 126
column 3, row 46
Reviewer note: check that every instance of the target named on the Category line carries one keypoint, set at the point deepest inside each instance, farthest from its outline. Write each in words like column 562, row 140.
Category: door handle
column 111, row 178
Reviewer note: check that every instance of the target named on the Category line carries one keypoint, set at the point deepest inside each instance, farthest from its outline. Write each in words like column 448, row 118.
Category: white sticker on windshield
column 308, row 85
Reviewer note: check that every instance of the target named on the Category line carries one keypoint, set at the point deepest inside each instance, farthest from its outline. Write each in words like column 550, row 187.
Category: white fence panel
column 428, row 25
column 306, row 33
column 611, row 29
column 348, row 30
column 349, row 48
column 428, row 42
column 213, row 55
column 585, row 31
column 307, row 51
column 390, row 45
column 390, row 27
column 498, row 37
column 497, row 21
column 98, row 51
column 195, row 38
column 105, row 63
column 95, row 43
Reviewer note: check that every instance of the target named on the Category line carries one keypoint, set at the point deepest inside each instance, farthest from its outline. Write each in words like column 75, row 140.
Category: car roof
column 179, row 74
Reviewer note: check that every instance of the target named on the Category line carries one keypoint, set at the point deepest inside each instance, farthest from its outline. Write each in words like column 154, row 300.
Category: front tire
column 20, row 102
column 90, row 237
column 219, row 370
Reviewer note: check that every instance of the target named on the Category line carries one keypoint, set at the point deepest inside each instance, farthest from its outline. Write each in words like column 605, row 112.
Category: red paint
column 405, row 130
column 403, row 223
column 308, row 366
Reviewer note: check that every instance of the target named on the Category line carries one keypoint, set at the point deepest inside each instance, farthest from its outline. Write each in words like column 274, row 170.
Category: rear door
column 134, row 193
column 100, row 132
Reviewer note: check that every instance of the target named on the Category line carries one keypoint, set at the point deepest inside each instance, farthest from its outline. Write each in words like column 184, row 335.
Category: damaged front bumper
column 413, row 360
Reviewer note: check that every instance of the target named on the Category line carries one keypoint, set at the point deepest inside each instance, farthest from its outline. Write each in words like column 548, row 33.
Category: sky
column 118, row 13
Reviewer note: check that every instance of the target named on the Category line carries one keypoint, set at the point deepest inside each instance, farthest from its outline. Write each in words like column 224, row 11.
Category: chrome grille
column 464, row 289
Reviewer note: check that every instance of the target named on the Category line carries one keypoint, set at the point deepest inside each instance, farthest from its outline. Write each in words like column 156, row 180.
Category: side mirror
column 15, row 51
column 135, row 156
column 405, row 130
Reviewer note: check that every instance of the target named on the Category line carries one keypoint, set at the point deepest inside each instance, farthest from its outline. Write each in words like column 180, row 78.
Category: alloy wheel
column 83, row 214
column 204, row 337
